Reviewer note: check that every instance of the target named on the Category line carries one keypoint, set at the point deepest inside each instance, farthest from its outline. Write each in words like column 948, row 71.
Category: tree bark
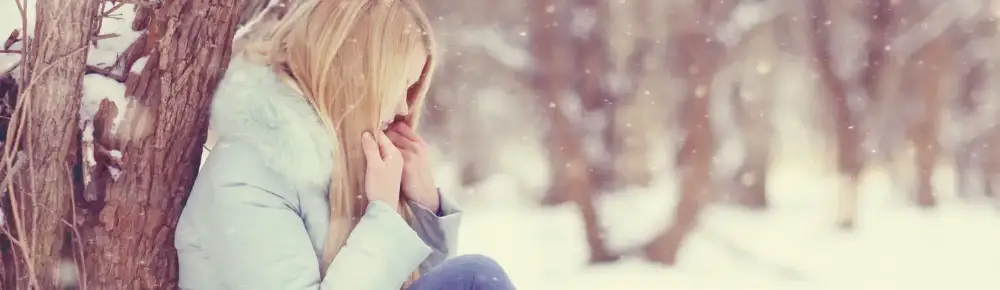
column 41, row 198
column 128, row 230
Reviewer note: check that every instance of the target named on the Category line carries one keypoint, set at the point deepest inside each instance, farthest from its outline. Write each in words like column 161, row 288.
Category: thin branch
column 82, row 266
column 106, row 73
column 105, row 36
column 26, row 250
column 24, row 93
column 15, row 36
column 112, row 9
column 141, row 3
column 19, row 163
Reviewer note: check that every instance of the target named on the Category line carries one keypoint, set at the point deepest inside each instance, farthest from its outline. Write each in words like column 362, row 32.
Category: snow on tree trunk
column 42, row 196
column 699, row 54
column 128, row 230
column 571, row 166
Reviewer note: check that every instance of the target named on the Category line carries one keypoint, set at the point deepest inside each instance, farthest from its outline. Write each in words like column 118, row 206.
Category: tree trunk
column 752, row 105
column 849, row 161
column 880, row 19
column 593, row 68
column 570, row 165
column 695, row 156
column 931, row 66
column 128, row 230
column 47, row 132
column 699, row 53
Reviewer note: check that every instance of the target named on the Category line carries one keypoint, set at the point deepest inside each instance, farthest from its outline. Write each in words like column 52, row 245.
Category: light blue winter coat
column 257, row 217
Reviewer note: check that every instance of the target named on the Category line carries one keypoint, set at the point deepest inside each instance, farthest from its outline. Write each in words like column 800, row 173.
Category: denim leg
column 468, row 272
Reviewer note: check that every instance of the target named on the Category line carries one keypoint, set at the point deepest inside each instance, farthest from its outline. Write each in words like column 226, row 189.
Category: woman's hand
column 418, row 182
column 384, row 170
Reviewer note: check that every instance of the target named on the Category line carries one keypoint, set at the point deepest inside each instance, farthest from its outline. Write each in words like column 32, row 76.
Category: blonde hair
column 347, row 58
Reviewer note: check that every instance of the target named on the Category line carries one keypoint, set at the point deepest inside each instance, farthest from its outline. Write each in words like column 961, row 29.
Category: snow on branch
column 119, row 47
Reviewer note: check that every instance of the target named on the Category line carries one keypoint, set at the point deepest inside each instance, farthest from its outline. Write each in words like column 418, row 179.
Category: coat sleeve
column 256, row 240
column 437, row 230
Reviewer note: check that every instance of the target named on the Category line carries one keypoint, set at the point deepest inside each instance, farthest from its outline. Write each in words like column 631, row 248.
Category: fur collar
column 252, row 105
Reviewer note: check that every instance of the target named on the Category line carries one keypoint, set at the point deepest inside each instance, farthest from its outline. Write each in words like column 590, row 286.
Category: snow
column 97, row 88
column 139, row 65
column 791, row 246
column 10, row 20
column 107, row 50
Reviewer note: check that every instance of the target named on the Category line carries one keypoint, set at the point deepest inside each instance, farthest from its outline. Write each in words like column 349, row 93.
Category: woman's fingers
column 371, row 148
column 398, row 140
column 389, row 151
column 406, row 131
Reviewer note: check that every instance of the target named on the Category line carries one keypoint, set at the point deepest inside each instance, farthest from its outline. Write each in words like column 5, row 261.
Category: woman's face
column 414, row 69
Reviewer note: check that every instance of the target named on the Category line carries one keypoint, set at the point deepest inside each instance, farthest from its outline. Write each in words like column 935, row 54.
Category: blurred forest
column 544, row 103
column 613, row 89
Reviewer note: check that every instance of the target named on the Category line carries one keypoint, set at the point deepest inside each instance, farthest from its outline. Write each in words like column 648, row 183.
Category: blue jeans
column 468, row 272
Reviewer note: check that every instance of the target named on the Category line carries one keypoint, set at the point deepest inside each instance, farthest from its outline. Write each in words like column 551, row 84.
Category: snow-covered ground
column 791, row 246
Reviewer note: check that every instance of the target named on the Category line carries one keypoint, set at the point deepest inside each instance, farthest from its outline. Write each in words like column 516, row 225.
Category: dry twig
column 106, row 73
column 19, row 162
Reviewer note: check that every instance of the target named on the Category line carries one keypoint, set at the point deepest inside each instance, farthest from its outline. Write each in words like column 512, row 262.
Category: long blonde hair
column 348, row 60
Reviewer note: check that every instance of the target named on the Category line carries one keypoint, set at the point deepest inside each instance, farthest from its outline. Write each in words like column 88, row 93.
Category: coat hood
column 254, row 106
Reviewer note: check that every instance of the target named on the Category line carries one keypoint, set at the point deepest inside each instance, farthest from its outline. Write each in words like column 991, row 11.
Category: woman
column 318, row 180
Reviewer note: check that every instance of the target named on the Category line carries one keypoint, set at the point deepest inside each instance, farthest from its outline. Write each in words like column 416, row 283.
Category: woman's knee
column 487, row 274
column 476, row 261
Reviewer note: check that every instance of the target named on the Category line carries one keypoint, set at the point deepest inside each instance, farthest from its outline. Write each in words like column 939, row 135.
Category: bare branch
column 19, row 162
column 106, row 36
column 15, row 36
column 106, row 73
column 141, row 3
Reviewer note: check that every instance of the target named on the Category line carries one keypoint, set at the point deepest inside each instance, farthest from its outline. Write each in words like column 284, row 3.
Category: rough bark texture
column 847, row 131
column 571, row 168
column 128, row 229
column 699, row 54
column 48, row 132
